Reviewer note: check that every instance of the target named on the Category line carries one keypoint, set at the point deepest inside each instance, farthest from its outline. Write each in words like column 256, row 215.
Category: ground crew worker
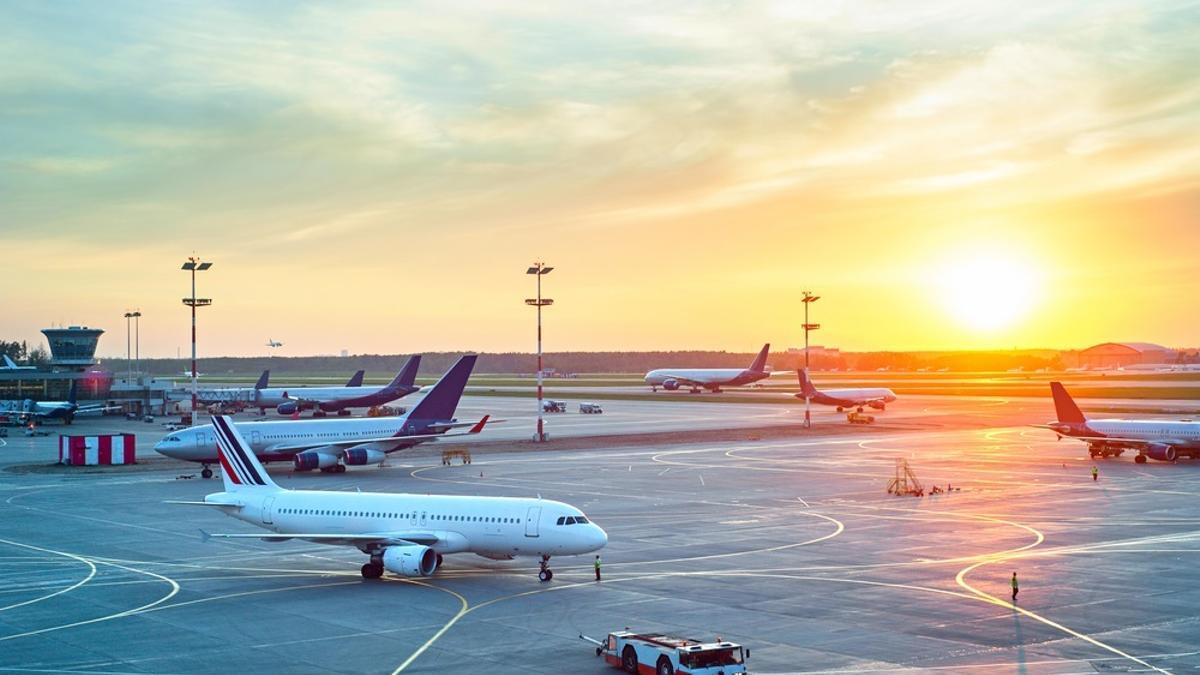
column 1095, row 473
column 1015, row 588
column 597, row 564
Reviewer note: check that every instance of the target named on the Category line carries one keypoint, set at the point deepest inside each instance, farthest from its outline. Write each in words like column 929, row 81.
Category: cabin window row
column 388, row 514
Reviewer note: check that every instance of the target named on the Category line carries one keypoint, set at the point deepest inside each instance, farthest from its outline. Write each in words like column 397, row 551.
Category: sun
column 989, row 292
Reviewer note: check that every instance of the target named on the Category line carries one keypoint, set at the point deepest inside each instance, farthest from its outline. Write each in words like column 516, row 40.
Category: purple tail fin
column 760, row 361
column 356, row 379
column 407, row 375
column 262, row 380
column 442, row 400
column 807, row 388
column 1065, row 406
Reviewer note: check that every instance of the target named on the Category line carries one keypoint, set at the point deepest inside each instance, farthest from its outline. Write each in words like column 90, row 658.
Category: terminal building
column 72, row 354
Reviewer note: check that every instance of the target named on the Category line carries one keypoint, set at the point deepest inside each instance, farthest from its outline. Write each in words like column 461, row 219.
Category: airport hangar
column 1122, row 354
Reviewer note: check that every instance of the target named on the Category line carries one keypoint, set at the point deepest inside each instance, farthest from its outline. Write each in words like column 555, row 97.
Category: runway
column 790, row 546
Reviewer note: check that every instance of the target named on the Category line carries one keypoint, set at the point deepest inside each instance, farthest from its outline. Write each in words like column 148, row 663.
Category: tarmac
column 789, row 545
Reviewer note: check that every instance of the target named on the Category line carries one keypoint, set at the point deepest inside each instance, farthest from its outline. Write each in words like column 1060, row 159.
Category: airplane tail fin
column 240, row 469
column 356, row 379
column 442, row 400
column 262, row 380
column 807, row 388
column 71, row 396
column 760, row 361
column 1065, row 406
column 407, row 375
column 9, row 362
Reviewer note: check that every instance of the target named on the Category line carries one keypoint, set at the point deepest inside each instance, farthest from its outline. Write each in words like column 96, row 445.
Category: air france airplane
column 1163, row 440
column 876, row 397
column 331, row 445
column 322, row 400
column 711, row 379
column 405, row 534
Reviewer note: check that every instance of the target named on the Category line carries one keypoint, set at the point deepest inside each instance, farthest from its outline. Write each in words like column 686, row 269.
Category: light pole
column 128, row 356
column 809, row 298
column 538, row 270
column 194, row 265
column 137, row 342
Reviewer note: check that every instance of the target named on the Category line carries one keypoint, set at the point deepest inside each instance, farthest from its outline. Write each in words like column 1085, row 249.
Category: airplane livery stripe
column 237, row 454
column 225, row 467
column 228, row 453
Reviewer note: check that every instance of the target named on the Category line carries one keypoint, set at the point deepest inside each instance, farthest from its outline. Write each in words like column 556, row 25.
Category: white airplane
column 876, row 397
column 272, row 343
column 1163, row 440
column 322, row 400
column 405, row 534
column 331, row 445
column 9, row 364
column 711, row 379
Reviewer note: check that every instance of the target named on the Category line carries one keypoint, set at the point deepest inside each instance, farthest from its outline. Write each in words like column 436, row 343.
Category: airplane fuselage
column 706, row 377
column 199, row 444
column 493, row 527
column 330, row 399
column 1183, row 436
column 850, row 398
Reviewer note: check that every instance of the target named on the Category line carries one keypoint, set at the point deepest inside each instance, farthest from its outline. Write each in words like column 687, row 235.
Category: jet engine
column 1162, row 452
column 411, row 561
column 878, row 405
column 362, row 456
column 287, row 408
column 670, row 385
column 313, row 459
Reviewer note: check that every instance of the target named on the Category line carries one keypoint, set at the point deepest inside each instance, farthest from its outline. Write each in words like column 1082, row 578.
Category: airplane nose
column 601, row 536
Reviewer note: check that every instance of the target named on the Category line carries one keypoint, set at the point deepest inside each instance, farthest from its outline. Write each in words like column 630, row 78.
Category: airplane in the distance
column 842, row 399
column 29, row 410
column 405, row 534
column 322, row 400
column 9, row 364
column 1163, row 440
column 332, row 444
column 272, row 343
column 711, row 379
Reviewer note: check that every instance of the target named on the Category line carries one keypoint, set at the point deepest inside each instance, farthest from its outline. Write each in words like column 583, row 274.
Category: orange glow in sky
column 376, row 178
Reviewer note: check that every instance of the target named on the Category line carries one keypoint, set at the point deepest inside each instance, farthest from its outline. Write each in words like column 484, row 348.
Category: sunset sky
column 377, row 177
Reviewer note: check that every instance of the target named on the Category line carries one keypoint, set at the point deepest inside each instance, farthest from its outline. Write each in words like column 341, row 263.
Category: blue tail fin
column 262, row 380
column 407, row 376
column 760, row 361
column 356, row 379
column 1065, row 406
column 74, row 391
column 442, row 400
column 807, row 388
column 9, row 362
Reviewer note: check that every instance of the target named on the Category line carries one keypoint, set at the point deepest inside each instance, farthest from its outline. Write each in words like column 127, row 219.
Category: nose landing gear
column 546, row 574
column 206, row 472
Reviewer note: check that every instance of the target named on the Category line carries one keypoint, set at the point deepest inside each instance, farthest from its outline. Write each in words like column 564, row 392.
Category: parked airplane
column 29, row 410
column 234, row 394
column 876, row 397
column 322, row 400
column 9, row 364
column 405, row 534
column 331, row 445
column 1163, row 440
column 711, row 379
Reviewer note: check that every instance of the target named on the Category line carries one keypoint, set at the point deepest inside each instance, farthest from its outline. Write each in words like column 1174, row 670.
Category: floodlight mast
column 809, row 298
column 539, row 269
column 193, row 265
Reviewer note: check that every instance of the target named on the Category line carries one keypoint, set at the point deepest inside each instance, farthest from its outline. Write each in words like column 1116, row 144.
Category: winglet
column 1065, row 406
column 479, row 425
column 262, row 380
column 760, row 361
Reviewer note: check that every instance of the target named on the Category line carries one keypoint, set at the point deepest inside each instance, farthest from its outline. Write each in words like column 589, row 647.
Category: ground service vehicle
column 657, row 654
column 554, row 406
column 590, row 409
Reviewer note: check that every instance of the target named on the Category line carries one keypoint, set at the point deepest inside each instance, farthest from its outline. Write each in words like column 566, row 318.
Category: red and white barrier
column 92, row 450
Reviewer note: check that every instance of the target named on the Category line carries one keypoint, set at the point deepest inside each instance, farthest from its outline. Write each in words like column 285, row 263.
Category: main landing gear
column 336, row 468
column 373, row 569
column 206, row 472
column 546, row 574
column 1140, row 459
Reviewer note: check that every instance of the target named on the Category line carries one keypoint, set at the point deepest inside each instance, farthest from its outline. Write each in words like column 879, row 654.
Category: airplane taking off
column 331, row 445
column 711, row 379
column 405, row 534
column 322, row 400
column 876, row 397
column 38, row 411
column 9, row 364
column 1163, row 440
column 272, row 343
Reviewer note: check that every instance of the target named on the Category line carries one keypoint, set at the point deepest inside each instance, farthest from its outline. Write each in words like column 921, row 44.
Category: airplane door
column 268, row 506
column 531, row 521
column 255, row 439
column 422, row 519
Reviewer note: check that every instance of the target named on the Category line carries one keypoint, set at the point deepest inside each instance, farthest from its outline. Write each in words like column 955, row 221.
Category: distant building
column 72, row 353
column 73, row 347
column 817, row 351
column 345, row 353
column 1122, row 354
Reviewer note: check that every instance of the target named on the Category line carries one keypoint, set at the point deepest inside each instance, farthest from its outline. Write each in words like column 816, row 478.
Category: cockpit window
column 561, row 520
column 581, row 520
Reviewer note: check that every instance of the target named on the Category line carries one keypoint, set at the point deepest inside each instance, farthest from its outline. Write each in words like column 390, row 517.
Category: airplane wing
column 382, row 538
column 476, row 427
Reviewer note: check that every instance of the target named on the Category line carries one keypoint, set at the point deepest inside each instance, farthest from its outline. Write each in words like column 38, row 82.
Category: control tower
column 73, row 347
